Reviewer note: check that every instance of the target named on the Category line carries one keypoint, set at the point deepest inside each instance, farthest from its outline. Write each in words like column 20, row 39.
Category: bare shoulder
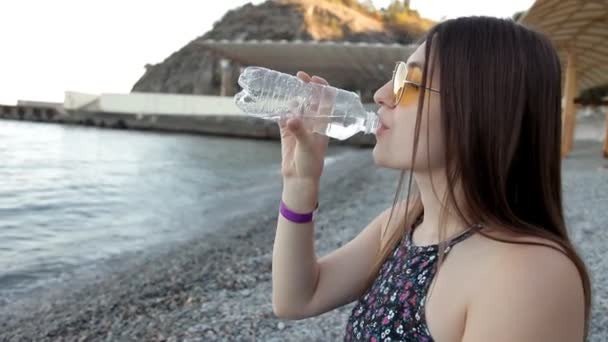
column 535, row 292
column 532, row 263
column 532, row 268
column 527, row 254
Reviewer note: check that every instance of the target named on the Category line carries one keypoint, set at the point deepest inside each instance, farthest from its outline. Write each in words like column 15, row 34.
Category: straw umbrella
column 579, row 29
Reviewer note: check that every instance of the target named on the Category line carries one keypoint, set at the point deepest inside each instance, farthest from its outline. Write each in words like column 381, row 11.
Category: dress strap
column 450, row 243
column 462, row 236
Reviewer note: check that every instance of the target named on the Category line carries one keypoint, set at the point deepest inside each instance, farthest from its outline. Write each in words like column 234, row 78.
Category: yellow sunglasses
column 406, row 77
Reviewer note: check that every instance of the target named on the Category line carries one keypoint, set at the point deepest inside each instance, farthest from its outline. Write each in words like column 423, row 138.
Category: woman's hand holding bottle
column 303, row 153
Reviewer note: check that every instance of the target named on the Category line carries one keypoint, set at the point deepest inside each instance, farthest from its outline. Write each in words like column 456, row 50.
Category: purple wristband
column 293, row 216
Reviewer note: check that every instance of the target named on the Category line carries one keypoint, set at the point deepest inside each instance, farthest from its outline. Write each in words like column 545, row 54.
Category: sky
column 102, row 46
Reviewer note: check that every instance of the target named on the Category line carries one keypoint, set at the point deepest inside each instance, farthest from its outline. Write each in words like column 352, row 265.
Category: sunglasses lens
column 399, row 78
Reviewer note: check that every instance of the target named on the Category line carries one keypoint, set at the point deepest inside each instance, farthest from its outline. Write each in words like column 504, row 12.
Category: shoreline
column 217, row 287
column 212, row 124
column 151, row 290
column 222, row 123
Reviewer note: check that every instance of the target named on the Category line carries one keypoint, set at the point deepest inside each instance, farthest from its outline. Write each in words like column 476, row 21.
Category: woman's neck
column 431, row 194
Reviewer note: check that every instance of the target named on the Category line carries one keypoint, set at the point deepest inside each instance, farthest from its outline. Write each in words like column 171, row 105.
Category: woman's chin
column 383, row 159
column 380, row 157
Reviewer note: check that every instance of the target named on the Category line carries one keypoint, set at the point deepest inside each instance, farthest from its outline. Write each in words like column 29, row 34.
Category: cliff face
column 192, row 70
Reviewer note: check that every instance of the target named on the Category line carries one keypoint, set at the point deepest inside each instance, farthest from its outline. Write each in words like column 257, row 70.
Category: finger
column 303, row 76
column 322, row 138
column 282, row 122
column 320, row 80
column 293, row 125
column 296, row 126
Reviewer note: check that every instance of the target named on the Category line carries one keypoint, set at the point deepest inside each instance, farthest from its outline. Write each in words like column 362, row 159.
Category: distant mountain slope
column 192, row 70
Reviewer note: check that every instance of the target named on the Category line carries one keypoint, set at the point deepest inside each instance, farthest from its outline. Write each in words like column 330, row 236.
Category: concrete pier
column 235, row 126
column 39, row 113
column 209, row 115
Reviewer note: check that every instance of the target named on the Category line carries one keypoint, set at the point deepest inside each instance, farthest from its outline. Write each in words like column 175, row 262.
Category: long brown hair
column 501, row 120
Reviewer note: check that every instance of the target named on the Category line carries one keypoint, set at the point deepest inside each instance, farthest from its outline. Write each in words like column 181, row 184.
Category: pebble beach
column 217, row 287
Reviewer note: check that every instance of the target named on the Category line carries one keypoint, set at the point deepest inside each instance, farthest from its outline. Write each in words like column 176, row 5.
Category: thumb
column 296, row 126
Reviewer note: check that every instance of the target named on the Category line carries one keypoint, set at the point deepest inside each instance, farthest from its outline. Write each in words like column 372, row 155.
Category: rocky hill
column 192, row 70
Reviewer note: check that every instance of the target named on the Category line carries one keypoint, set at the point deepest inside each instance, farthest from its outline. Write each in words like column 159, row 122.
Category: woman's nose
column 384, row 95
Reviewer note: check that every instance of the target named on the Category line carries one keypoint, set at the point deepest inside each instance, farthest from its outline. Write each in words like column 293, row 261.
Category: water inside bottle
column 342, row 129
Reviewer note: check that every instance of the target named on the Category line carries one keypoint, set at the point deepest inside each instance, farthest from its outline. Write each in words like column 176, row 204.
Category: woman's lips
column 381, row 130
column 383, row 127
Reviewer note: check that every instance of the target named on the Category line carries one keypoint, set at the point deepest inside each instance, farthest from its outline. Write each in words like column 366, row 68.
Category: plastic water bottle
column 327, row 110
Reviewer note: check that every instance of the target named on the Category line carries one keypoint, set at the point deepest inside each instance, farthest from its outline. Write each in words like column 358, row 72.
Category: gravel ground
column 217, row 287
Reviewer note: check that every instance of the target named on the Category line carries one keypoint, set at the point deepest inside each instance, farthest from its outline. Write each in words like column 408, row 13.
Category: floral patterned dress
column 392, row 309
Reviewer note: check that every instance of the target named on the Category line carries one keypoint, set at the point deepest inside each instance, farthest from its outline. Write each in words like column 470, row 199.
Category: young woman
column 480, row 251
